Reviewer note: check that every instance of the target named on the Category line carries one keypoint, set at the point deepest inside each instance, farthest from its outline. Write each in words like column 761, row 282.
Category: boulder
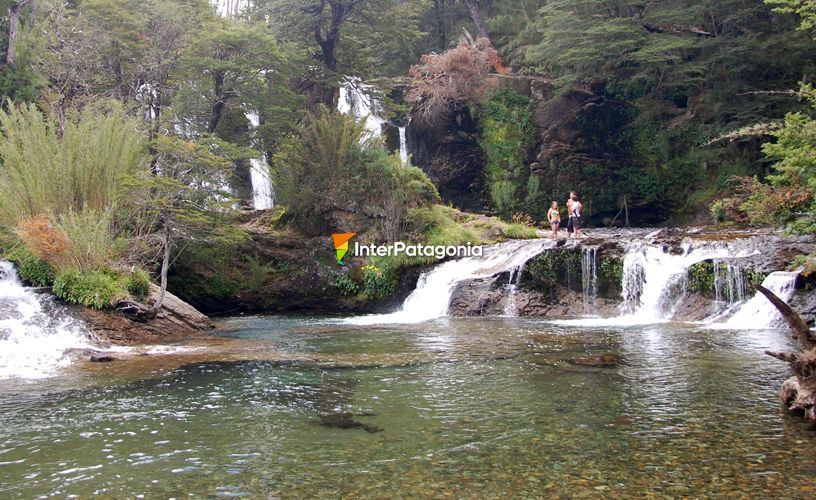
column 175, row 319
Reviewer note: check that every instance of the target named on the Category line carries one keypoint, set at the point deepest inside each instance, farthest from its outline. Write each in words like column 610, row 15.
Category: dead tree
column 798, row 392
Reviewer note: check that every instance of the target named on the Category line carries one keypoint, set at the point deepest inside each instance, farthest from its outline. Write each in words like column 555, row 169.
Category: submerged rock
column 604, row 360
column 345, row 420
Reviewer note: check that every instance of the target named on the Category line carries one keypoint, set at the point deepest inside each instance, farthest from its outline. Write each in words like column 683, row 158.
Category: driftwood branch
column 799, row 326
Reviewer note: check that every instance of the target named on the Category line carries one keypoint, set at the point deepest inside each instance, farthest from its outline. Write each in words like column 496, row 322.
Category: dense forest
column 132, row 130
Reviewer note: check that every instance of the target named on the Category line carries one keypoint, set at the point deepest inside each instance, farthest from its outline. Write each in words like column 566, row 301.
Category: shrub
column 36, row 272
column 378, row 282
column 138, row 284
column 443, row 83
column 97, row 289
column 517, row 231
column 345, row 285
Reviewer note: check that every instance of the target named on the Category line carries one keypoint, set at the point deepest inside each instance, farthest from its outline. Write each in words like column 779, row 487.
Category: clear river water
column 468, row 407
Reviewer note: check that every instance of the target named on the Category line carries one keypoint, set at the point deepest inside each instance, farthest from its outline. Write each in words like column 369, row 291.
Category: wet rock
column 102, row 359
column 345, row 420
column 175, row 319
column 604, row 361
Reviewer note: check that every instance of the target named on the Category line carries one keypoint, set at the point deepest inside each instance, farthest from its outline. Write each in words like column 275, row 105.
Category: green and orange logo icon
column 341, row 244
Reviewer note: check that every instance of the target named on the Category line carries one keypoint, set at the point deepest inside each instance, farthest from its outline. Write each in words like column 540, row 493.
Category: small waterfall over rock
column 33, row 333
column 432, row 296
column 403, row 149
column 589, row 277
column 510, row 305
column 355, row 98
column 758, row 312
column 262, row 195
column 729, row 283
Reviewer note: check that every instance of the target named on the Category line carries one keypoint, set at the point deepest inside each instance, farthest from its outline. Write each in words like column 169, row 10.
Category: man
column 577, row 209
column 570, row 220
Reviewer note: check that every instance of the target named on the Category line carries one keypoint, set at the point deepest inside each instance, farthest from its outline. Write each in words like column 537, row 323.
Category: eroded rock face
column 175, row 319
column 551, row 285
column 450, row 154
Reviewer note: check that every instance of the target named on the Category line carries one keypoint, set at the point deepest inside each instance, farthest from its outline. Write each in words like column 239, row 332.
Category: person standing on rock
column 554, row 216
column 575, row 219
column 569, row 214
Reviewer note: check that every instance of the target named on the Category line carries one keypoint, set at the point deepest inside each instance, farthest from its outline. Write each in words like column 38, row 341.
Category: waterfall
column 33, row 338
column 758, row 312
column 432, row 296
column 589, row 277
column 510, row 306
column 263, row 197
column 355, row 98
column 229, row 8
column 403, row 148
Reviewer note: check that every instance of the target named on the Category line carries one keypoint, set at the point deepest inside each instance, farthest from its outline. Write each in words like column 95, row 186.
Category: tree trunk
column 440, row 24
column 798, row 393
column 478, row 19
column 13, row 30
column 168, row 235
column 220, row 101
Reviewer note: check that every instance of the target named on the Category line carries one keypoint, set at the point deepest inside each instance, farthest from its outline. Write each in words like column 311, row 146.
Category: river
column 469, row 407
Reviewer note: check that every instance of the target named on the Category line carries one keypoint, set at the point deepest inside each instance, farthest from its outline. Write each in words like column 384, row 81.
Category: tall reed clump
column 60, row 189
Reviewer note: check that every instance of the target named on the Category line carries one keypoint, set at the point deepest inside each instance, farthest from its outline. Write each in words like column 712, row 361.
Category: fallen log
column 798, row 393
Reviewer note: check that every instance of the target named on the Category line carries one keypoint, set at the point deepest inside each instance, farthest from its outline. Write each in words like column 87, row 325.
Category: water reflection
column 469, row 407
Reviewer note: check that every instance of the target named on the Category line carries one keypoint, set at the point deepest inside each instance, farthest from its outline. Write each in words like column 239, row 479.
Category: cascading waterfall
column 355, row 98
column 589, row 277
column 33, row 340
column 510, row 305
column 263, row 197
column 758, row 312
column 432, row 295
column 403, row 150
column 729, row 283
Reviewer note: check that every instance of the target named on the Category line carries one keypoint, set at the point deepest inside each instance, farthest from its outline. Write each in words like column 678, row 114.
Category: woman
column 554, row 216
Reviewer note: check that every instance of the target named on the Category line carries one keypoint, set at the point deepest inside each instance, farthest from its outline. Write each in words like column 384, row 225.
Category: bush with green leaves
column 379, row 281
column 346, row 286
column 96, row 289
column 138, row 284
column 333, row 164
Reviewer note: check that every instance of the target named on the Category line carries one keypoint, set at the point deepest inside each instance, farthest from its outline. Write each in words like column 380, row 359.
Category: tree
column 360, row 38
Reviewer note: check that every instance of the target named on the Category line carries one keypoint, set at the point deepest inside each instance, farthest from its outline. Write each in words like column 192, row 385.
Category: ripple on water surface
column 468, row 407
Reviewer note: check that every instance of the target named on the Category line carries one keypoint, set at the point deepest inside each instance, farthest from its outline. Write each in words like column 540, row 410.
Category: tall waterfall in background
column 32, row 339
column 403, row 147
column 263, row 197
column 230, row 8
column 355, row 98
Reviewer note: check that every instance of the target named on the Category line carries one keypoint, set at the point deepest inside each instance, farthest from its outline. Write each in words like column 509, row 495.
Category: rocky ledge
column 175, row 319
column 552, row 284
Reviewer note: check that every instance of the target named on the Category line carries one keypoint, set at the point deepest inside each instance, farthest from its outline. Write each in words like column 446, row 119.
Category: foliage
column 505, row 137
column 138, row 284
column 82, row 168
column 806, row 9
column 345, row 285
column 33, row 270
column 805, row 264
column 333, row 165
column 97, row 289
column 444, row 83
column 517, row 231
column 789, row 196
column 378, row 281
